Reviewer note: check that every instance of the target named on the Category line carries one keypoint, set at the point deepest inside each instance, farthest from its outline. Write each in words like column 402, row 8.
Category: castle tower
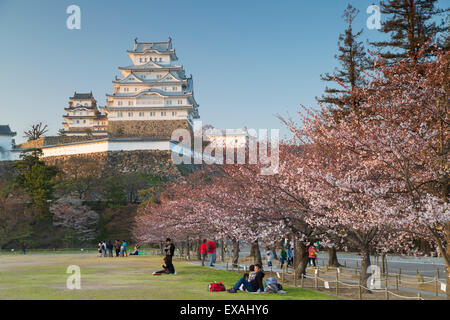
column 83, row 117
column 154, row 96
column 6, row 142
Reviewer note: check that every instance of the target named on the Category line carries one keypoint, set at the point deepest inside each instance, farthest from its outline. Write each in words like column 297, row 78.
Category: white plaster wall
column 228, row 140
column 180, row 115
column 5, row 147
column 101, row 146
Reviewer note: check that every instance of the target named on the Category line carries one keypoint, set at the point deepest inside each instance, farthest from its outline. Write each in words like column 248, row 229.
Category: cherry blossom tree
column 76, row 217
column 382, row 170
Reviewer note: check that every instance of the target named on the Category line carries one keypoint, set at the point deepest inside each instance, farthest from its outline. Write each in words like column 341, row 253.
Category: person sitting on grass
column 167, row 268
column 245, row 280
column 253, row 282
column 136, row 250
column 257, row 282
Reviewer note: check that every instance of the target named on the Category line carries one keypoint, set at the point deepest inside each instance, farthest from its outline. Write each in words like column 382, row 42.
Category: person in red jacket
column 212, row 252
column 204, row 251
column 312, row 254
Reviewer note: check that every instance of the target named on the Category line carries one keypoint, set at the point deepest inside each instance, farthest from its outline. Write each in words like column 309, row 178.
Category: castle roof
column 151, row 90
column 151, row 65
column 162, row 46
column 170, row 77
column 82, row 96
column 5, row 130
column 159, row 47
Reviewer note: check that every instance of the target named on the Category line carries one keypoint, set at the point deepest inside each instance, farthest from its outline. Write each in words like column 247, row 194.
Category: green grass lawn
column 44, row 277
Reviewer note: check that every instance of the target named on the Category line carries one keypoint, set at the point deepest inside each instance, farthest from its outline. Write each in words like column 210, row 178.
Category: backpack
column 270, row 281
column 272, row 288
column 272, row 285
column 216, row 286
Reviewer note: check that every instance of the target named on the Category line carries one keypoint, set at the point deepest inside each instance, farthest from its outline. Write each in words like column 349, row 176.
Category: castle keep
column 153, row 98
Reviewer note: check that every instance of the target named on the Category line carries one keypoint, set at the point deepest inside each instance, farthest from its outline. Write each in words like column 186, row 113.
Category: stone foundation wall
column 5, row 170
column 54, row 140
column 107, row 164
column 153, row 128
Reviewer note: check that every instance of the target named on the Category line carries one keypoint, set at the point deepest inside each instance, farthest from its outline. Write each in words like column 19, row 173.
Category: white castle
column 154, row 89
column 153, row 98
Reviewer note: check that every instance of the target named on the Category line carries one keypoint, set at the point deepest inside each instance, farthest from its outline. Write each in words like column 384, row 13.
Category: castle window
column 180, row 101
column 175, row 88
column 168, row 102
column 78, row 121
column 119, row 103
column 119, row 115
column 140, row 59
column 130, row 103
column 163, row 113
column 130, row 114
column 141, row 114
column 160, row 59
column 174, row 113
column 158, row 76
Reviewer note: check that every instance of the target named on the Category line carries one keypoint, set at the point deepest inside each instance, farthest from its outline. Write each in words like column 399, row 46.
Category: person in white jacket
column 269, row 255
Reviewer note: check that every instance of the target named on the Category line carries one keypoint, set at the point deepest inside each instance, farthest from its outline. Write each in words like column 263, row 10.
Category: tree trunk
column 252, row 251
column 447, row 264
column 188, row 249
column 365, row 263
column 300, row 258
column 257, row 254
column 383, row 263
column 332, row 258
column 199, row 241
column 235, row 260
column 181, row 245
column 274, row 251
column 222, row 250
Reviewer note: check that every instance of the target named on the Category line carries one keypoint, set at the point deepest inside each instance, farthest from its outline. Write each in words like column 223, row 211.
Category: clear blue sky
column 250, row 59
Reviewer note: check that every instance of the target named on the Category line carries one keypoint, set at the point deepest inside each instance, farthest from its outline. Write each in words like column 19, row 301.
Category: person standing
column 290, row 256
column 204, row 251
column 100, row 249
column 283, row 257
column 125, row 248
column 269, row 255
column 110, row 247
column 104, row 251
column 117, row 246
column 312, row 254
column 24, row 248
column 212, row 252
column 170, row 251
